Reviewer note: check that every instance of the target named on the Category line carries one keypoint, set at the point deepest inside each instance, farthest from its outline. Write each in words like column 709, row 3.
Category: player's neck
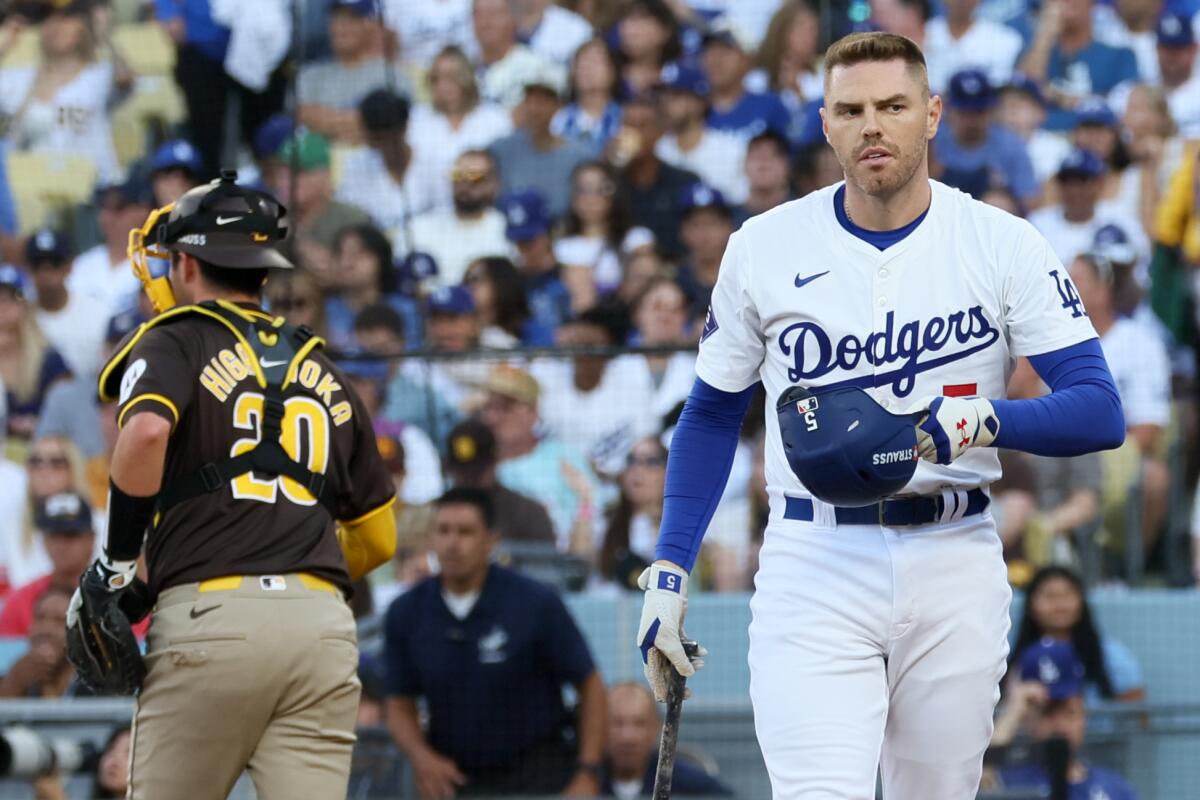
column 204, row 294
column 889, row 212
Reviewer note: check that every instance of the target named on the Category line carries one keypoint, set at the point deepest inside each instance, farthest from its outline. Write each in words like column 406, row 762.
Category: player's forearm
column 593, row 719
column 136, row 478
column 368, row 542
column 701, row 455
column 403, row 724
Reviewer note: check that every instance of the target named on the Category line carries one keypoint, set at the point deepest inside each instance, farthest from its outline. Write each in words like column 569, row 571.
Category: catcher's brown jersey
column 193, row 372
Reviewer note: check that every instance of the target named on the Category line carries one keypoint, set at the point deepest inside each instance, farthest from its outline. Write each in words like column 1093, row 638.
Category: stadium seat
column 46, row 182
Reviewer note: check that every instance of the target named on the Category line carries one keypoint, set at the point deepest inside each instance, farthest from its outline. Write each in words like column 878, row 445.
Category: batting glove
column 955, row 424
column 660, row 633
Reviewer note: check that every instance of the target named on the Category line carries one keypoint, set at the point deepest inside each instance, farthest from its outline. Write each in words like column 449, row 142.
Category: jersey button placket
column 883, row 299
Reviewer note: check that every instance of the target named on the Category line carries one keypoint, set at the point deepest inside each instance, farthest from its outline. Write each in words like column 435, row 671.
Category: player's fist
column 660, row 633
column 953, row 425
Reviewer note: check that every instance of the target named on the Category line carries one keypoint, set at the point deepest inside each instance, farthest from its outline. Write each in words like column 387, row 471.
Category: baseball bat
column 670, row 731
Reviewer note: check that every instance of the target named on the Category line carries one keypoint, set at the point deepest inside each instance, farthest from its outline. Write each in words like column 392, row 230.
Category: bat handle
column 670, row 732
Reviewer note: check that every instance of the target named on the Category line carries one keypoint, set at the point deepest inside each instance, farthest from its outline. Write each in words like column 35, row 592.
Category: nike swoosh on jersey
column 268, row 364
column 225, row 220
column 197, row 614
column 802, row 281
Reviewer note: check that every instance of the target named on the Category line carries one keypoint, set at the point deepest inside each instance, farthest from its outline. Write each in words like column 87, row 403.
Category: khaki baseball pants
column 255, row 673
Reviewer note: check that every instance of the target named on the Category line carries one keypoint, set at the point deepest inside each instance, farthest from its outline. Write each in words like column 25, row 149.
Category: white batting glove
column 660, row 633
column 955, row 424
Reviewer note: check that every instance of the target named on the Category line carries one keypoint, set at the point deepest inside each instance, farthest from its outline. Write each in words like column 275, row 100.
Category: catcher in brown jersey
column 247, row 467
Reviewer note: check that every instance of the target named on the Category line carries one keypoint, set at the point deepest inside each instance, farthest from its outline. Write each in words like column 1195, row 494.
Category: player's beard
column 906, row 161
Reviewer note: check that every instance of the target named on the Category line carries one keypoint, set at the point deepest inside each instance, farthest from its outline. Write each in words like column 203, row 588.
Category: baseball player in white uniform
column 878, row 645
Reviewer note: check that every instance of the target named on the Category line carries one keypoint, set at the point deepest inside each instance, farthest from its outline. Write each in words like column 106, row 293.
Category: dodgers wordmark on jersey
column 800, row 300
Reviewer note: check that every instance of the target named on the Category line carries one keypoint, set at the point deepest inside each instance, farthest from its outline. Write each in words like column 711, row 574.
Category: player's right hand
column 660, row 633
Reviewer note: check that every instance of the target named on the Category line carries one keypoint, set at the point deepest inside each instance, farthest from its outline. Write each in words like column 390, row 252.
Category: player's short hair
column 480, row 499
column 242, row 281
column 861, row 48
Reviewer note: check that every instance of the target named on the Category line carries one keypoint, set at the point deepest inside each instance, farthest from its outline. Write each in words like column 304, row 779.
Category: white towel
column 260, row 33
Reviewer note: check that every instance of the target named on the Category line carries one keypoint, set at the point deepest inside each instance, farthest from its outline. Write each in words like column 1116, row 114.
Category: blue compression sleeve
column 1081, row 414
column 701, row 455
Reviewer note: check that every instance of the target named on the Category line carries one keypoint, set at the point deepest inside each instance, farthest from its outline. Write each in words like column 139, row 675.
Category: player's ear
column 934, row 115
column 824, row 122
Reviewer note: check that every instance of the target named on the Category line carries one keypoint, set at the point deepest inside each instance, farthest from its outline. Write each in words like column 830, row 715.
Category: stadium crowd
column 475, row 184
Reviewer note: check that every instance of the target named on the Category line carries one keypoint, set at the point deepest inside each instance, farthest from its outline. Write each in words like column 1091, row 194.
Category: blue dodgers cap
column 362, row 8
column 13, row 278
column 1174, row 30
column 1112, row 242
column 970, row 90
column 1020, row 82
column 680, row 76
column 1080, row 163
column 525, row 215
column 45, row 245
column 134, row 190
column 1056, row 666
column 700, row 195
column 413, row 271
column 456, row 300
column 177, row 154
column 1094, row 111
column 271, row 135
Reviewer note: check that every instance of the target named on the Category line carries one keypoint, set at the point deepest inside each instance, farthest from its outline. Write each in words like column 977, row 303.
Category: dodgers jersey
column 801, row 300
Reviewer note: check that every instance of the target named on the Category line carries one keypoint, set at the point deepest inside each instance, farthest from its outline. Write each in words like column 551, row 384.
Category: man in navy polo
column 489, row 651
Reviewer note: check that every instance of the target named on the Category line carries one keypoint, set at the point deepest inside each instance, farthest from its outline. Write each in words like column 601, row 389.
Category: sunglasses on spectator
column 469, row 175
column 58, row 462
column 644, row 461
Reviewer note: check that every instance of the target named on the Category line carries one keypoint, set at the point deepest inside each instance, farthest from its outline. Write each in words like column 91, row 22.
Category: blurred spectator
column 102, row 274
column 904, row 17
column 12, row 505
column 535, row 464
column 1141, row 368
column 633, row 732
column 455, row 119
column 473, row 228
column 960, row 39
column 69, row 323
column 499, row 293
column 815, row 167
column 175, row 167
column 60, row 103
column 550, row 30
column 647, row 40
column 1176, row 38
column 298, row 297
column 506, row 66
column 660, row 317
column 1022, row 110
column 973, row 152
column 789, row 59
column 65, row 524
column 452, row 326
column 362, row 262
column 308, row 193
column 426, row 27
column 471, row 462
column 1068, row 492
column 387, row 176
column 328, row 92
column 1070, row 226
column 1069, row 64
column 527, row 226
column 53, row 467
column 1002, row 197
column 417, row 274
column 707, row 226
column 1149, row 137
column 214, row 63
column 43, row 671
column 497, row 723
column 1131, row 24
column 1046, row 697
column 1097, row 129
column 631, row 531
column 600, row 404
column 112, row 770
column 716, row 156
column 652, row 185
column 268, row 141
column 598, row 230
column 1056, row 606
column 641, row 269
column 768, row 177
column 29, row 366
column 593, row 114
column 732, row 108
column 533, row 157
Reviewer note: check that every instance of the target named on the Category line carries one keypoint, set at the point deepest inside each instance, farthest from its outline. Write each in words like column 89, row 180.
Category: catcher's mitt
column 100, row 640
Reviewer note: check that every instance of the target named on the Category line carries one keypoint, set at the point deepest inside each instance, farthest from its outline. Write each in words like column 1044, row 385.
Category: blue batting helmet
column 844, row 447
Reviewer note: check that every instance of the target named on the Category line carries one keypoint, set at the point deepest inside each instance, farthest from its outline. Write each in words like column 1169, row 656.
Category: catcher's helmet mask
column 844, row 447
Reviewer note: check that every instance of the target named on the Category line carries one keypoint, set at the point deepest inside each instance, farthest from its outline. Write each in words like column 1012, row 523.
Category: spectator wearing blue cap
column 35, row 366
column 1046, row 698
column 175, row 167
column 1098, row 130
column 733, row 109
column 960, row 39
column 102, row 273
column 527, row 227
column 1069, row 63
column 716, row 156
column 65, row 318
column 1070, row 225
column 653, row 186
column 473, row 228
column 970, row 142
column 1022, row 110
column 452, row 325
column 1176, row 51
column 707, row 226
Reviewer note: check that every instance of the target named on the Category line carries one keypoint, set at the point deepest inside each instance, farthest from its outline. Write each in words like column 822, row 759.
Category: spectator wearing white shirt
column 426, row 27
column 1176, row 51
column 474, row 228
column 788, row 61
column 550, row 30
column 718, row 158
column 593, row 114
column 506, row 65
column 1022, row 110
column 1138, row 360
column 660, row 317
column 960, row 40
column 68, row 321
column 102, row 274
column 455, row 120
